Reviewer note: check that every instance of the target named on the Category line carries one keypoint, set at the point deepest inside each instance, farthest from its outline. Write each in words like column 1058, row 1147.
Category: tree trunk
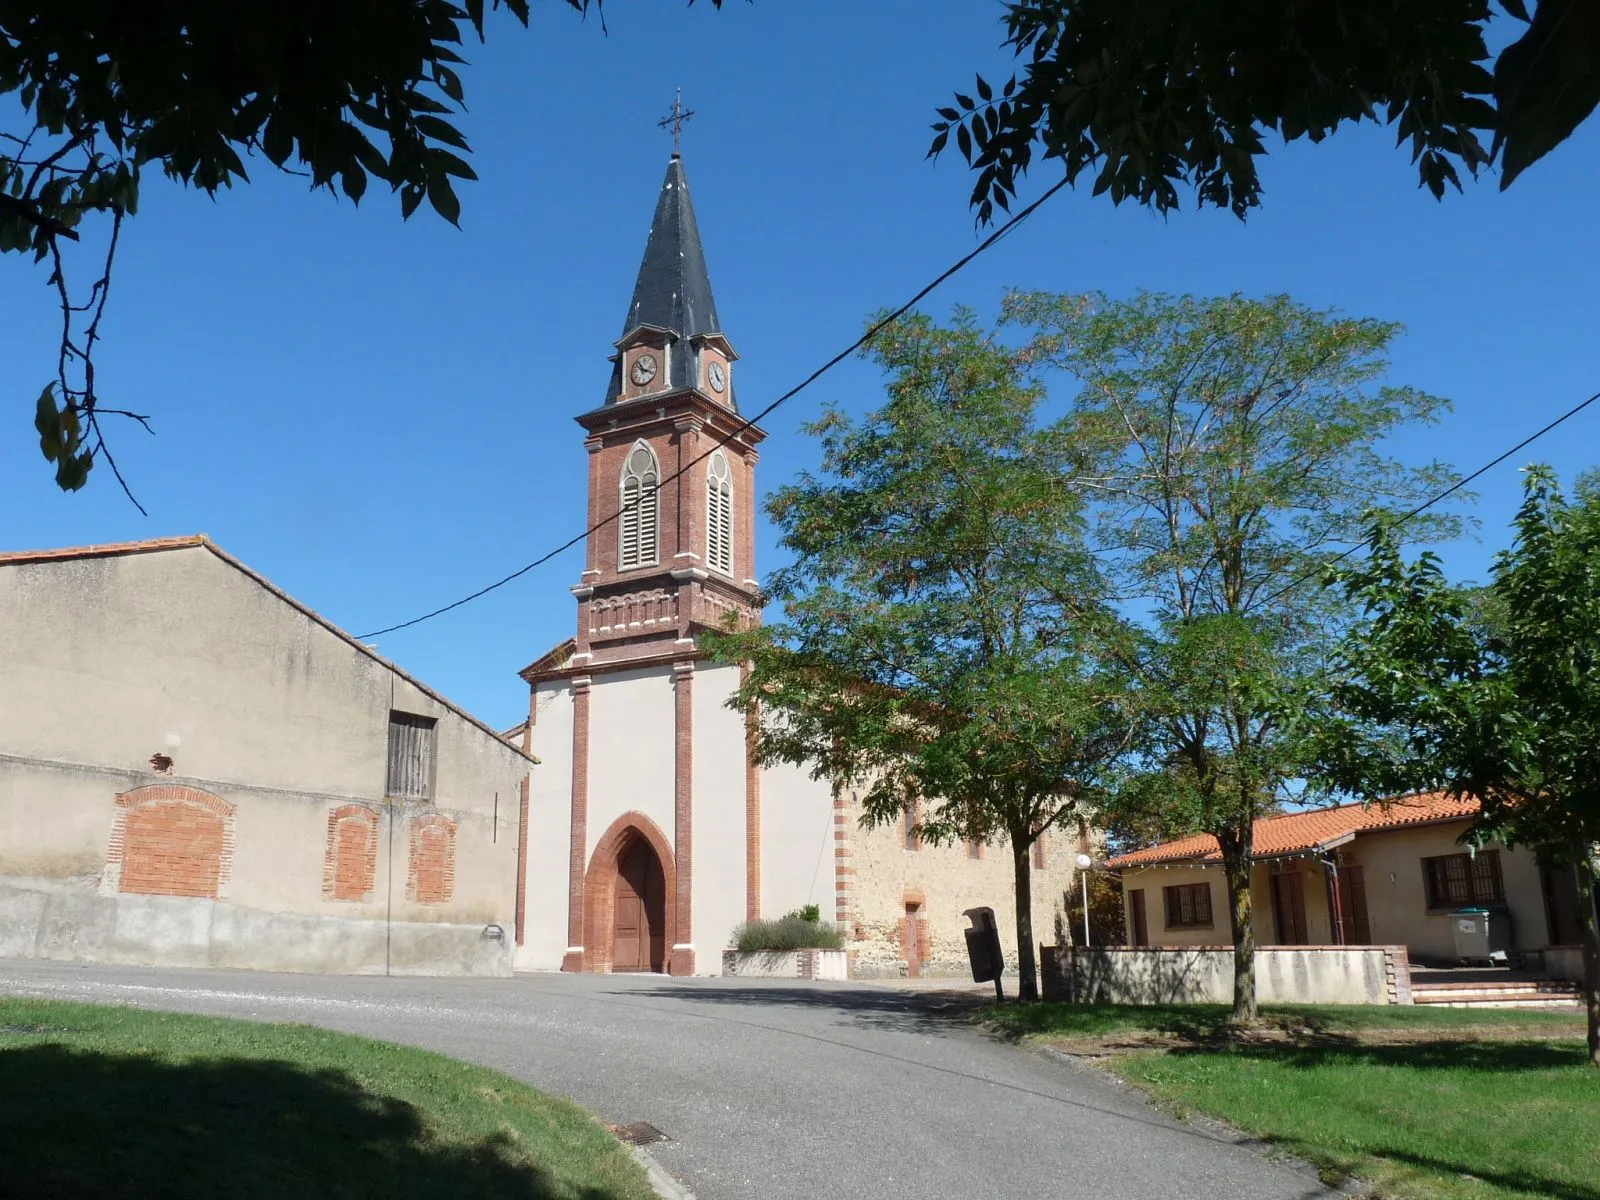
column 1236, row 870
column 1027, row 972
column 1589, row 934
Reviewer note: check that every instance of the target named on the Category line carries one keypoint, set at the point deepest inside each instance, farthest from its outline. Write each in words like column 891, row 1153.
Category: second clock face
column 644, row 369
column 717, row 376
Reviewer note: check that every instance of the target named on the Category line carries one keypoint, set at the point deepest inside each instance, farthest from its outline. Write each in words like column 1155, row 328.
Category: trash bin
column 1481, row 936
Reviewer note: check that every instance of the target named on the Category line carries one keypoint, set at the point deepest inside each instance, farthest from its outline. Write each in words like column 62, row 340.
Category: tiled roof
column 187, row 541
column 1295, row 833
column 104, row 550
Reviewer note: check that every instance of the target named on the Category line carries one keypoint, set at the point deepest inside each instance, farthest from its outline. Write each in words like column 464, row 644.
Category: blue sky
column 377, row 414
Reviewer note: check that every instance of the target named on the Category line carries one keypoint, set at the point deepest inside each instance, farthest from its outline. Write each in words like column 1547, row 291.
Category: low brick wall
column 786, row 964
column 1204, row 975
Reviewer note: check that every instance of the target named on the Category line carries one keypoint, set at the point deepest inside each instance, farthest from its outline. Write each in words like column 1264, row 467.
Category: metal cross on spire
column 674, row 120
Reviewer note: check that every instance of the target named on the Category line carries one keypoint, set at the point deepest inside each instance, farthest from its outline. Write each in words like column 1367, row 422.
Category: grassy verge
column 122, row 1102
column 1425, row 1104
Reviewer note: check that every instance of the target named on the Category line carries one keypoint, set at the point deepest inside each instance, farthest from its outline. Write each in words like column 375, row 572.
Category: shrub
column 807, row 912
column 786, row 933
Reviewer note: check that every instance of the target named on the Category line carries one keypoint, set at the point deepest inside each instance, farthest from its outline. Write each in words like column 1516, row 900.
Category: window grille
column 1188, row 906
column 412, row 741
column 638, row 527
column 719, row 514
column 1452, row 879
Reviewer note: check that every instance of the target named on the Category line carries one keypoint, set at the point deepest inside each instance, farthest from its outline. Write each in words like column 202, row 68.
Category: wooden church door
column 638, row 941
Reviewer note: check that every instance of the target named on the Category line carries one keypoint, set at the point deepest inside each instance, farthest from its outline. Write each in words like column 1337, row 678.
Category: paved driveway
column 768, row 1090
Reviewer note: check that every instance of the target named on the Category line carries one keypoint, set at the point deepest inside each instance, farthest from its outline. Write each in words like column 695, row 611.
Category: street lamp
column 1084, row 863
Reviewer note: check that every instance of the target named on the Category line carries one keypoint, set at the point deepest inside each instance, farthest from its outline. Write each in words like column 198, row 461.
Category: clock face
column 644, row 369
column 718, row 377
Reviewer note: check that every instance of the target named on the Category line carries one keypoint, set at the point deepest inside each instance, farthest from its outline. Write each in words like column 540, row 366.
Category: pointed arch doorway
column 630, row 920
column 639, row 909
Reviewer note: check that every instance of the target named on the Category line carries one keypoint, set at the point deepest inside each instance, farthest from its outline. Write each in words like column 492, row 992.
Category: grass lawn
column 119, row 1102
column 1464, row 1104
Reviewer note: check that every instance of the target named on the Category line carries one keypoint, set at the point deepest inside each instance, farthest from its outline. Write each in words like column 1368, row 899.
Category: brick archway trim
column 167, row 793
column 600, row 890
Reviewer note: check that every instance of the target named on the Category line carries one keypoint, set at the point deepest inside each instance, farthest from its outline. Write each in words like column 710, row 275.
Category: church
column 648, row 835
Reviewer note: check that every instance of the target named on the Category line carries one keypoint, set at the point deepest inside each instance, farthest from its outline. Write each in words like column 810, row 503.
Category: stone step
column 1518, row 993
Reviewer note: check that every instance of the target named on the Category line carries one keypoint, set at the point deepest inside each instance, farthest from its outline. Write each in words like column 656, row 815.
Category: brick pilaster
column 681, row 961
column 844, row 871
column 573, row 959
column 522, row 859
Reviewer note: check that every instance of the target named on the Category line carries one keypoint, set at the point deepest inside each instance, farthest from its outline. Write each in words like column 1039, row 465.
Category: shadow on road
column 80, row 1123
column 877, row 1008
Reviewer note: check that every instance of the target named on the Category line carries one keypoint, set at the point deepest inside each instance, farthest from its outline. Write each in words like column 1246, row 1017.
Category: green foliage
column 1151, row 95
column 807, row 912
column 341, row 91
column 123, row 1102
column 1229, row 451
column 791, row 932
column 1493, row 693
column 938, row 644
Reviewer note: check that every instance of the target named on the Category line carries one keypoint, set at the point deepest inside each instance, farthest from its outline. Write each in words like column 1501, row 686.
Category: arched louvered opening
column 719, row 514
column 639, row 526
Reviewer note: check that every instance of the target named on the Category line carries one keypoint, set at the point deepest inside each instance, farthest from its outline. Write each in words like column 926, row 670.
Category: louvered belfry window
column 719, row 514
column 412, row 740
column 638, row 527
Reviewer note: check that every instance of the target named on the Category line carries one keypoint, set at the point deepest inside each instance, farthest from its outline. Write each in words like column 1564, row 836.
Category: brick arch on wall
column 350, row 861
column 170, row 840
column 600, row 887
column 431, row 878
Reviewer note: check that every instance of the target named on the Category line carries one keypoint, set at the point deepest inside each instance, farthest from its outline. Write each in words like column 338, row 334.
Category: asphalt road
column 767, row 1090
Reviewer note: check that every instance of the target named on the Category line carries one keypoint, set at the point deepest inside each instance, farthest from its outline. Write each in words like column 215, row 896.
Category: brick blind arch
column 171, row 840
column 350, row 862
column 431, row 878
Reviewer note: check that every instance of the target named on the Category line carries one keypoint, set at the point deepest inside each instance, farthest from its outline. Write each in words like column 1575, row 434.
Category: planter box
column 787, row 964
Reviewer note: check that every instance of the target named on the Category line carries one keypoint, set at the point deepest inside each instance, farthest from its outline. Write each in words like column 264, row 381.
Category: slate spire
column 673, row 291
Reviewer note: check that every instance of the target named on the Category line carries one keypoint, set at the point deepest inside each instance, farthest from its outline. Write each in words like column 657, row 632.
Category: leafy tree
column 927, row 653
column 342, row 91
column 1493, row 694
column 1148, row 95
column 1232, row 449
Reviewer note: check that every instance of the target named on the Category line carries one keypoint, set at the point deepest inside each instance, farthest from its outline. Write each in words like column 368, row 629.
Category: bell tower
column 671, row 472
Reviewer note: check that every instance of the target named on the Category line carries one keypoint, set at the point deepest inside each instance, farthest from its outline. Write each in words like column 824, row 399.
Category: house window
column 719, row 514
column 1188, row 906
column 412, row 742
column 1452, row 879
column 974, row 849
column 1038, row 853
column 637, row 525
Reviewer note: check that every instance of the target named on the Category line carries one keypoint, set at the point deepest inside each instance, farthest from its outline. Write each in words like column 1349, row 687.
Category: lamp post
column 1084, row 863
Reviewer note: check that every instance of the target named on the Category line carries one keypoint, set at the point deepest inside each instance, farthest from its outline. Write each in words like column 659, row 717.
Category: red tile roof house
column 1392, row 874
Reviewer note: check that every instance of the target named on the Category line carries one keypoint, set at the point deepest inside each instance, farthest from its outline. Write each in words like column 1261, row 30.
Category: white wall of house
column 797, row 843
column 544, row 933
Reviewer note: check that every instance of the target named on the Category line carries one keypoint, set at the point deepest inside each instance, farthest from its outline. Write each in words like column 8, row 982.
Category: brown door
column 1141, row 930
column 1289, row 909
column 1353, row 906
column 638, row 939
column 1561, row 903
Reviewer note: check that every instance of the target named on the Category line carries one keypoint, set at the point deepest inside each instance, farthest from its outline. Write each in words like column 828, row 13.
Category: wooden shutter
column 628, row 524
column 411, row 756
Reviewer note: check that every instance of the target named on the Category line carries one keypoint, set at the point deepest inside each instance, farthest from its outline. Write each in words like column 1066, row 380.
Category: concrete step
column 1516, row 993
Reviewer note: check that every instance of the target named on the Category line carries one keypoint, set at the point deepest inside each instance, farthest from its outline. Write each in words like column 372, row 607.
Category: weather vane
column 675, row 121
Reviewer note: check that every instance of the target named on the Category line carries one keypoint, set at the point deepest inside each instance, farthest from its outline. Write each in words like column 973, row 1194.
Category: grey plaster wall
column 106, row 661
column 1284, row 975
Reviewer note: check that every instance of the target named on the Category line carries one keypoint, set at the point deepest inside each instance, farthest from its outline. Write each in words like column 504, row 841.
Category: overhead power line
column 1449, row 491
column 872, row 331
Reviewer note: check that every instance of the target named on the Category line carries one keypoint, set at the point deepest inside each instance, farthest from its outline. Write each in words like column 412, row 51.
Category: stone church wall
column 893, row 893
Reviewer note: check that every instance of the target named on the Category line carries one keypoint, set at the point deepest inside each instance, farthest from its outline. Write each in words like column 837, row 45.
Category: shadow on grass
column 125, row 1127
column 1511, row 1181
column 1430, row 1055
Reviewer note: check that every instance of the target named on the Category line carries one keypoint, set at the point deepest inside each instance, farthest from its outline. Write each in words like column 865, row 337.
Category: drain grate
column 640, row 1133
